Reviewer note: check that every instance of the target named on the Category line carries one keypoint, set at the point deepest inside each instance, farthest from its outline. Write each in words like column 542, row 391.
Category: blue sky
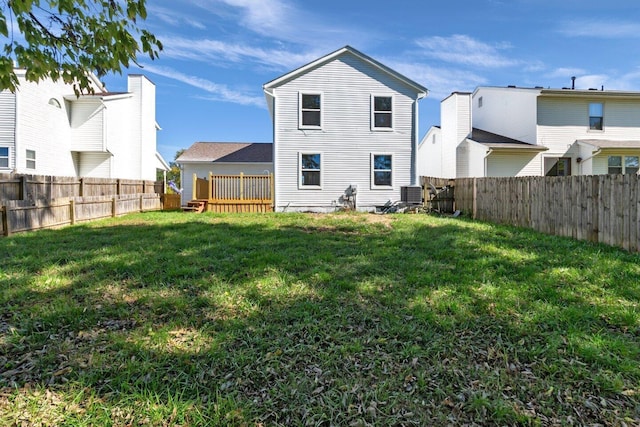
column 218, row 53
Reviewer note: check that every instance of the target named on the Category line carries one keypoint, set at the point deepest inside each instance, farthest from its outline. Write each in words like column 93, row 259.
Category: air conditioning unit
column 411, row 195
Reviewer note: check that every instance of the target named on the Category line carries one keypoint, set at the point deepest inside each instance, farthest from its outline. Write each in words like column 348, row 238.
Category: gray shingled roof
column 495, row 141
column 228, row 152
column 606, row 143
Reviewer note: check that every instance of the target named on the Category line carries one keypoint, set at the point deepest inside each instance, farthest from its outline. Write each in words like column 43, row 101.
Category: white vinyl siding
column 346, row 139
column 513, row 164
column 7, row 128
column 88, row 124
column 95, row 165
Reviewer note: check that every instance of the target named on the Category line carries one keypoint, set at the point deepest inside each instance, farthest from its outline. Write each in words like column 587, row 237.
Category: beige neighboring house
column 512, row 131
column 223, row 158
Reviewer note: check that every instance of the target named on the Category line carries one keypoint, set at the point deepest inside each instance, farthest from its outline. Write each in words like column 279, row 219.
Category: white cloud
column 440, row 81
column 219, row 92
column 564, row 73
column 173, row 18
column 462, row 49
column 601, row 29
column 219, row 52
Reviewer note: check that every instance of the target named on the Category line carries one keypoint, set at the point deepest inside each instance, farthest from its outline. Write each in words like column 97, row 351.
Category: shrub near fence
column 601, row 208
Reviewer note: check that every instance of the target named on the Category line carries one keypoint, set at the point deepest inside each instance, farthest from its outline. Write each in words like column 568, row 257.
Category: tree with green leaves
column 68, row 39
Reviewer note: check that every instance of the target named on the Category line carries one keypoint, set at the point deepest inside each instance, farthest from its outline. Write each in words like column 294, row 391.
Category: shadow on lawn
column 327, row 320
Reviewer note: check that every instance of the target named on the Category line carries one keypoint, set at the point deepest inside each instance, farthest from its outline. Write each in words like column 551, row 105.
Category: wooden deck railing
column 236, row 192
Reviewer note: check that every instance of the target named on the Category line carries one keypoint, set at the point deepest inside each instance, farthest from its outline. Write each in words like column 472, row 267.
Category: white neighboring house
column 45, row 129
column 222, row 158
column 345, row 131
column 511, row 131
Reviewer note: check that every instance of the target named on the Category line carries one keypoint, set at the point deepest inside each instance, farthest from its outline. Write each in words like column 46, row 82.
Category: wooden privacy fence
column 40, row 187
column 20, row 216
column 600, row 208
column 235, row 193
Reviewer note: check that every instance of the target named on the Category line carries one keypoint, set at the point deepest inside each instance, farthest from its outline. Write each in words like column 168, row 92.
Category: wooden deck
column 235, row 193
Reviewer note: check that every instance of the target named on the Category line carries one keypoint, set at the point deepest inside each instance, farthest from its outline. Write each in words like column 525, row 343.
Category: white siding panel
column 506, row 111
column 346, row 139
column 516, row 164
column 430, row 152
column 7, row 124
column 563, row 120
column 87, row 122
column 95, row 165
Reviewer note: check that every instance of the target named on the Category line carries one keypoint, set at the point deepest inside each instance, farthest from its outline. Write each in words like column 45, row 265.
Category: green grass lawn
column 293, row 319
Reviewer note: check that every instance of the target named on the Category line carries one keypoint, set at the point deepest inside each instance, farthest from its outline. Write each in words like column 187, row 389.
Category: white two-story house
column 345, row 132
column 511, row 131
column 45, row 129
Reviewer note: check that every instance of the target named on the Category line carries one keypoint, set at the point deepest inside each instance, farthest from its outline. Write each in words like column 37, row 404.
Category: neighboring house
column 345, row 133
column 511, row 131
column 45, row 129
column 223, row 158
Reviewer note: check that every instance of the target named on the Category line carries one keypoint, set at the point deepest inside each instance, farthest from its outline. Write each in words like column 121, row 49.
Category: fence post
column 141, row 203
column 241, row 186
column 273, row 188
column 113, row 206
column 194, row 187
column 23, row 188
column 4, row 211
column 210, row 185
column 72, row 211
column 474, row 197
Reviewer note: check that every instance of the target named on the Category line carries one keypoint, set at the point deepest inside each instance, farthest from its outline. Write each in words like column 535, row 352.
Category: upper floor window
column 596, row 116
column 623, row 165
column 4, row 157
column 480, row 102
column 31, row 159
column 381, row 170
column 310, row 110
column 310, row 170
column 382, row 112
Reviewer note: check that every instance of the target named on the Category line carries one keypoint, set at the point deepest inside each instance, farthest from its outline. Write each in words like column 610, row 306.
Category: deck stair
column 196, row 206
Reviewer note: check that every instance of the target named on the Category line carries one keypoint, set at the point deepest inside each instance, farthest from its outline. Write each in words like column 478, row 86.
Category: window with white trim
column 382, row 112
column 4, row 157
column 310, row 170
column 31, row 159
column 596, row 116
column 381, row 170
column 628, row 165
column 310, row 116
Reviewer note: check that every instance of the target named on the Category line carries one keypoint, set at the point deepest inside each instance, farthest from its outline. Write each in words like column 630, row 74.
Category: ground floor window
column 31, row 159
column 310, row 168
column 557, row 166
column 4, row 157
column 381, row 170
column 623, row 165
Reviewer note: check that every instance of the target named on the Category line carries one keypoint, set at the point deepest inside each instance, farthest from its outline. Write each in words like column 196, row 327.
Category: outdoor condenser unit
column 411, row 195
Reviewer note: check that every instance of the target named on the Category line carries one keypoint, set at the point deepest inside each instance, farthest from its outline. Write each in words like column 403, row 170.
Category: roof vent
column 512, row 86
column 573, row 82
column 593, row 88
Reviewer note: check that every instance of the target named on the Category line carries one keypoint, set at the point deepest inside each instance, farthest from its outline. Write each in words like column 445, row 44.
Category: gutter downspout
column 486, row 161
column 415, row 179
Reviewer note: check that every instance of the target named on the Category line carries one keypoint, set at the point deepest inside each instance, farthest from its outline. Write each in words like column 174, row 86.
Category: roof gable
column 420, row 90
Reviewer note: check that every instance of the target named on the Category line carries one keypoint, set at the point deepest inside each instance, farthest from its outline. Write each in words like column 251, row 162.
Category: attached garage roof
column 497, row 142
column 227, row 152
column 606, row 143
